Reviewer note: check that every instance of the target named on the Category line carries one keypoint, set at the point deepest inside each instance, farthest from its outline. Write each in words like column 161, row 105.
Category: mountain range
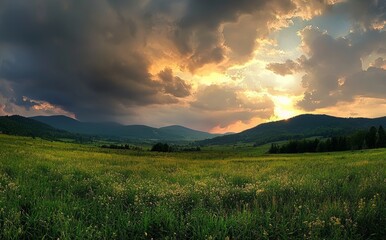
column 302, row 126
column 116, row 130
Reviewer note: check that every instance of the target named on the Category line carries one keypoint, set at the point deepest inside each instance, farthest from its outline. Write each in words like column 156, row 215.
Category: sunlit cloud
column 212, row 65
column 285, row 107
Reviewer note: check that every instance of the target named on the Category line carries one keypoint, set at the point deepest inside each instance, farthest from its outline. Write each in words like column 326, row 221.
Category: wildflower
column 335, row 220
column 361, row 204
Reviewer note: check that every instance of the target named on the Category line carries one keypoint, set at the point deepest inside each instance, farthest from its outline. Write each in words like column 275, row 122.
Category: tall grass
column 67, row 191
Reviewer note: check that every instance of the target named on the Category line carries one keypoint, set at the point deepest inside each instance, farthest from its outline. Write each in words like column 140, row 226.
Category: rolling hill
column 187, row 133
column 301, row 126
column 21, row 126
column 110, row 129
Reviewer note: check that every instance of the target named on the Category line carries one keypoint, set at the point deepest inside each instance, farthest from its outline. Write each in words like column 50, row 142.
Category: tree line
column 372, row 138
column 125, row 147
column 164, row 147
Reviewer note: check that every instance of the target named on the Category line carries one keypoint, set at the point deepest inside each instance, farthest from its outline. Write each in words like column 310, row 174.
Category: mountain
column 18, row 125
column 301, row 126
column 90, row 128
column 110, row 129
column 187, row 133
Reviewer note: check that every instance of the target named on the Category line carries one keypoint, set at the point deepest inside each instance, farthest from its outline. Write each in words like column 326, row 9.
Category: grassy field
column 55, row 190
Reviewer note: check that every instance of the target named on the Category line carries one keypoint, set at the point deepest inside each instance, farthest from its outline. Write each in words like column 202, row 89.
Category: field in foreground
column 67, row 191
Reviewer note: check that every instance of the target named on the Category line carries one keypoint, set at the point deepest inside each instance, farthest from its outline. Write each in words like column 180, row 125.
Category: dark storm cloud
column 84, row 56
column 214, row 31
column 92, row 57
column 7, row 97
column 174, row 85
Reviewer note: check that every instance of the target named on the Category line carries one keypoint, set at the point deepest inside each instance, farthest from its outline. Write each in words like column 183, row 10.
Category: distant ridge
column 187, row 133
column 138, row 132
column 21, row 126
column 302, row 126
column 306, row 125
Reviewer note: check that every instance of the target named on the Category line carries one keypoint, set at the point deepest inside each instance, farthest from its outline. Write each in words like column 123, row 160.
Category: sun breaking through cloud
column 218, row 65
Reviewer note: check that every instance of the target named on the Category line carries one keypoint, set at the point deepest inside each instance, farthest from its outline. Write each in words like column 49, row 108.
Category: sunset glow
column 218, row 66
column 284, row 107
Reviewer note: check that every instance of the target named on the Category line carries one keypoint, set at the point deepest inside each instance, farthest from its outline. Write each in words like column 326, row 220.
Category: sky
column 217, row 66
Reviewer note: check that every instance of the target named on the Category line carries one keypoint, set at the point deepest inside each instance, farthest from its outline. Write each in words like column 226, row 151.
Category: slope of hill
column 109, row 129
column 18, row 125
column 187, row 133
column 301, row 126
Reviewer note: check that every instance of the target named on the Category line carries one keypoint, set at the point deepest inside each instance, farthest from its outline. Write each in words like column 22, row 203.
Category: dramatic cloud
column 334, row 66
column 112, row 59
column 287, row 68
column 174, row 85
column 227, row 31
column 228, row 105
column 329, row 61
column 368, row 83
column 11, row 104
column 82, row 57
column 93, row 58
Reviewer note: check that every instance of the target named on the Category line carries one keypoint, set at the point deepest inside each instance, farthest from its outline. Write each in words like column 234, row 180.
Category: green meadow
column 55, row 190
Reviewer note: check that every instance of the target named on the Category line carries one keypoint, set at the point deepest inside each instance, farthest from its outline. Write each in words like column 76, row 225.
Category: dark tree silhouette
column 274, row 148
column 381, row 138
column 161, row 147
column 371, row 137
column 357, row 140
